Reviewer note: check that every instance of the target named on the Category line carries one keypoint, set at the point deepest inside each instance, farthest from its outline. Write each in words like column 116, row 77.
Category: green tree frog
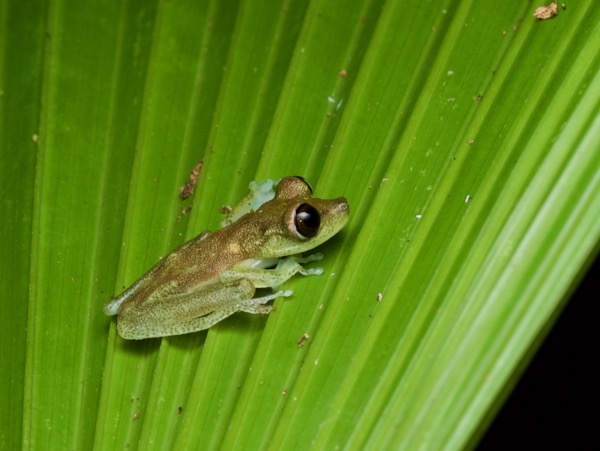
column 215, row 274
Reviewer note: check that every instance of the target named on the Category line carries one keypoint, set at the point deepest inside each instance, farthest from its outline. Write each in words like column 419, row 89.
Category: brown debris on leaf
column 184, row 212
column 546, row 12
column 302, row 339
column 188, row 189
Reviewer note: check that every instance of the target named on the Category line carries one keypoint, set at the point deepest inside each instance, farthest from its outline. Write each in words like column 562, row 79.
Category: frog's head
column 297, row 221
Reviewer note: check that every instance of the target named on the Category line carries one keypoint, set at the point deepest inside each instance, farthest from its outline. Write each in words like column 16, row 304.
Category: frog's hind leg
column 256, row 305
column 253, row 305
column 183, row 314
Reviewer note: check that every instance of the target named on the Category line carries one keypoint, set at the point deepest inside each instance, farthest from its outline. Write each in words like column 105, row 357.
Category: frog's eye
column 307, row 220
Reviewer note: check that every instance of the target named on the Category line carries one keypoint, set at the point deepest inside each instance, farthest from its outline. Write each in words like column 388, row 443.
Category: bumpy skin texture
column 215, row 275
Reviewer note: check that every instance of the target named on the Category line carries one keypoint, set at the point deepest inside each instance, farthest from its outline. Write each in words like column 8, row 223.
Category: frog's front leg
column 272, row 278
column 259, row 193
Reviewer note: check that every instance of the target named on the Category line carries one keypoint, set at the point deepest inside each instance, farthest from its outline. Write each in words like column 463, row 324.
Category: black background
column 553, row 404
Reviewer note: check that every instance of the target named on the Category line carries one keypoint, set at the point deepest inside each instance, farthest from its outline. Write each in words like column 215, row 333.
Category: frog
column 216, row 274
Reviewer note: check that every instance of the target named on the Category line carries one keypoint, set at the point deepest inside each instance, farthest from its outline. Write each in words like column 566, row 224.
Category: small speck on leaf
column 184, row 212
column 302, row 339
column 546, row 12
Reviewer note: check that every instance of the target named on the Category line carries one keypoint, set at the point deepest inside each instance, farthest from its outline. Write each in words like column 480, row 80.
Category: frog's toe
column 257, row 309
column 313, row 257
column 311, row 271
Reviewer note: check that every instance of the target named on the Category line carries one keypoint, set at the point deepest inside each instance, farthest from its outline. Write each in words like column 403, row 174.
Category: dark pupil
column 307, row 220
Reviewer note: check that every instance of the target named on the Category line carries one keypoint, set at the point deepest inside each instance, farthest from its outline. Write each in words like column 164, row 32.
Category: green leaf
column 466, row 139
